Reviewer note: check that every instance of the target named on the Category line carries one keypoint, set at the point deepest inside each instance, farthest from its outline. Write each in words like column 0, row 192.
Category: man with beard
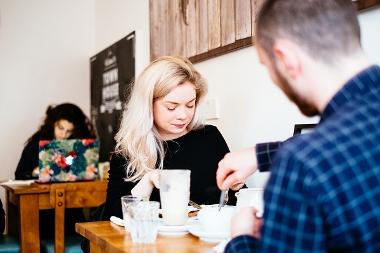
column 324, row 191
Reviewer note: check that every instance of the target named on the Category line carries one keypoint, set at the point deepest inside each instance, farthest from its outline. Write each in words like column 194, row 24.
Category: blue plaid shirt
column 324, row 191
column 265, row 153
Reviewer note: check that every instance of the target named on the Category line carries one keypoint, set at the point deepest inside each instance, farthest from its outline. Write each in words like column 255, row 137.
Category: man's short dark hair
column 326, row 29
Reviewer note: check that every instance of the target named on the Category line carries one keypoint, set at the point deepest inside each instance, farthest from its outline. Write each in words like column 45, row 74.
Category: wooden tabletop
column 25, row 189
column 108, row 237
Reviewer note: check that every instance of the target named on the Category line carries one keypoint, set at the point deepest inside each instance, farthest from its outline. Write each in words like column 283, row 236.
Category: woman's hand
column 35, row 172
column 145, row 186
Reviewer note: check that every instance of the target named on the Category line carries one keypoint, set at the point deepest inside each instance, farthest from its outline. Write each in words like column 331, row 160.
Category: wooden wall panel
column 202, row 45
column 202, row 29
column 227, row 17
column 175, row 28
column 213, row 20
column 191, row 28
column 159, row 28
column 243, row 19
column 255, row 7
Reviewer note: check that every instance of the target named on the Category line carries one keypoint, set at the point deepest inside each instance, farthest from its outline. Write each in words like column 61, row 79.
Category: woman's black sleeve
column 28, row 161
column 117, row 187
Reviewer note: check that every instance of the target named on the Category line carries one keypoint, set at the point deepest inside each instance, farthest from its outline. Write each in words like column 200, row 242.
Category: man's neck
column 331, row 79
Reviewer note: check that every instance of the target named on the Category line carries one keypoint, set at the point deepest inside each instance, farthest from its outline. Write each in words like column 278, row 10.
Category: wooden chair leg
column 29, row 223
column 59, row 240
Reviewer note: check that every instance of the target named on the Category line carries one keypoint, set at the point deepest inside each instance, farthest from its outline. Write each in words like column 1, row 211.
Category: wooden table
column 30, row 199
column 105, row 236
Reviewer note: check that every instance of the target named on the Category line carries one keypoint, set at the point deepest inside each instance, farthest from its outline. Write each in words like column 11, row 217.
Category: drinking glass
column 143, row 221
column 126, row 202
column 175, row 196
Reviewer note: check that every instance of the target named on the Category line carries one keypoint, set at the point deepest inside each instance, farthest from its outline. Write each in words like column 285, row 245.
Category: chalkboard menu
column 112, row 71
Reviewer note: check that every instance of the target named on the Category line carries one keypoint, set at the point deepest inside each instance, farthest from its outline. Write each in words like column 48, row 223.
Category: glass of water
column 126, row 202
column 143, row 221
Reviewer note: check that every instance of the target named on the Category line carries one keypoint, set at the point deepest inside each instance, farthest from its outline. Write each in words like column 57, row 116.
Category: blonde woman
column 161, row 129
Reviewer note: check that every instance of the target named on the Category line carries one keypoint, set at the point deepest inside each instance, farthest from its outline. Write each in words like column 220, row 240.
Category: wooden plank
column 174, row 41
column 81, row 194
column 24, row 189
column 369, row 3
column 256, row 5
column 222, row 50
column 29, row 224
column 91, row 197
column 213, row 19
column 365, row 4
column 158, row 28
column 202, row 43
column 191, row 28
column 154, row 29
column 227, row 16
column 59, row 231
column 44, row 201
column 95, row 249
column 243, row 19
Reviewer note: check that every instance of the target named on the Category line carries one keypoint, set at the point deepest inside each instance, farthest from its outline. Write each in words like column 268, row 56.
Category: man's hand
column 245, row 222
column 235, row 167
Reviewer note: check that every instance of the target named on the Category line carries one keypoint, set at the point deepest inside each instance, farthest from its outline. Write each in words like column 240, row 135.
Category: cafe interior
column 54, row 52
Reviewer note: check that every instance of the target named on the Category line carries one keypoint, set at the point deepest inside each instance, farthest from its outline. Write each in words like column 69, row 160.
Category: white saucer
column 172, row 230
column 176, row 230
column 164, row 229
column 197, row 230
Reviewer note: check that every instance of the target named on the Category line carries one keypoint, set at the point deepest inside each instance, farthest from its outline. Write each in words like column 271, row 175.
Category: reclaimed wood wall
column 202, row 29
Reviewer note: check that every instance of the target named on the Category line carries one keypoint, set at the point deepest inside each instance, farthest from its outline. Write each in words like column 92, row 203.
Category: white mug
column 215, row 220
column 251, row 197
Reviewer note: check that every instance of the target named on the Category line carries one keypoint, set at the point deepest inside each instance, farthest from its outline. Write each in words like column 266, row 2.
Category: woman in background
column 161, row 129
column 61, row 122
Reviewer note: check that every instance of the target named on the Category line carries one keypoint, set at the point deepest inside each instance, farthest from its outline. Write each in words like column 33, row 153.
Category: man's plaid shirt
column 324, row 191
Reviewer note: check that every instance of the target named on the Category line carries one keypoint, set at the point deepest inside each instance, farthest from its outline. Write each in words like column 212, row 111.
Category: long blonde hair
column 137, row 139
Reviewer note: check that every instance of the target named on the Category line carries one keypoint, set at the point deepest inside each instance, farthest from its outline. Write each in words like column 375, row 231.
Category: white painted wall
column 114, row 19
column 45, row 47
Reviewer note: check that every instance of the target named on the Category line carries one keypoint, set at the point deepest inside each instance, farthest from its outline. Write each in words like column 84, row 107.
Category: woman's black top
column 199, row 151
column 28, row 160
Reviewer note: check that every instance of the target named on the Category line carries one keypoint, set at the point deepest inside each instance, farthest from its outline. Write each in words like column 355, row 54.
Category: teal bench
column 9, row 244
column 72, row 244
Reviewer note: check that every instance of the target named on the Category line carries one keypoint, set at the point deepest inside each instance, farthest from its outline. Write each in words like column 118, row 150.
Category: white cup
column 216, row 221
column 251, row 197
column 258, row 180
column 175, row 196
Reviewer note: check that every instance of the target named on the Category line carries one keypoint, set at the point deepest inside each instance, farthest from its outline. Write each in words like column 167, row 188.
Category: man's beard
column 305, row 107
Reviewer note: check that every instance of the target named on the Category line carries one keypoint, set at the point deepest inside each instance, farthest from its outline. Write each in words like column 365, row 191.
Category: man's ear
column 287, row 58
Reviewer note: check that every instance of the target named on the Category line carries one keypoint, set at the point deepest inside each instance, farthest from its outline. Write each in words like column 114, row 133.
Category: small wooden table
column 32, row 198
column 105, row 236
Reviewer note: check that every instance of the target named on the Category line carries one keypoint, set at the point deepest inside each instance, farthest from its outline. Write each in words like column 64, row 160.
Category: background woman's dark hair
column 70, row 112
